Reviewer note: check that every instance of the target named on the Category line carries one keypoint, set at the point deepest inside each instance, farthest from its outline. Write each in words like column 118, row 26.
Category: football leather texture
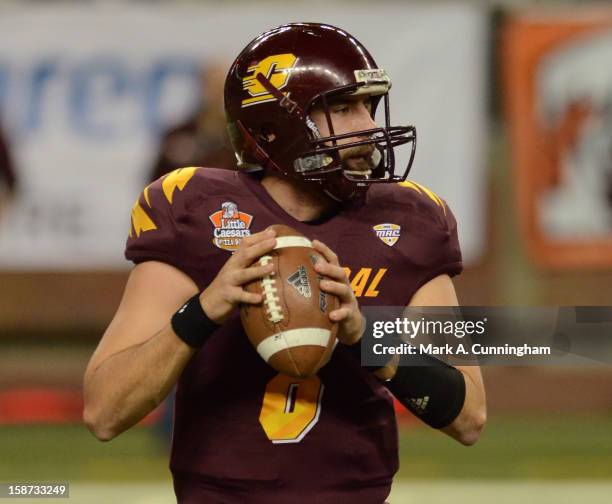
column 291, row 329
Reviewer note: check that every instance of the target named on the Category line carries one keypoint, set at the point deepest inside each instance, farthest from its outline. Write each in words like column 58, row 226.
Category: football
column 291, row 329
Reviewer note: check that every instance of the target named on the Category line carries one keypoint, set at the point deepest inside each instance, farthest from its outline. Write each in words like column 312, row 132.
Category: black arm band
column 191, row 324
column 431, row 389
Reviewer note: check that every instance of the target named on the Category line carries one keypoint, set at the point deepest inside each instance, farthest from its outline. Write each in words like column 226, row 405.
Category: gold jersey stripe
column 140, row 220
column 176, row 179
column 411, row 185
column 145, row 193
column 422, row 189
column 433, row 196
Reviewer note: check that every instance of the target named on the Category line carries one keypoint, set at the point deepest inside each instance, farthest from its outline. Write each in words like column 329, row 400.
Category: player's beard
column 358, row 161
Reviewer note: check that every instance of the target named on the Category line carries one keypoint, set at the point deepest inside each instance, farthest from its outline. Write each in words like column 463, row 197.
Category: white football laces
column 270, row 299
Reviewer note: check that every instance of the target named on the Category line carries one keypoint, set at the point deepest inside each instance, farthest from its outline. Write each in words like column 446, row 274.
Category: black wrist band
column 191, row 324
column 355, row 349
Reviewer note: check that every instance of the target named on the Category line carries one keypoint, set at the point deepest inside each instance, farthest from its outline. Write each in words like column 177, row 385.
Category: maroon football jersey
column 243, row 432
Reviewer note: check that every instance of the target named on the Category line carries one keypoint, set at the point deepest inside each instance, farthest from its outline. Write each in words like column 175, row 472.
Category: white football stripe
column 293, row 338
column 292, row 241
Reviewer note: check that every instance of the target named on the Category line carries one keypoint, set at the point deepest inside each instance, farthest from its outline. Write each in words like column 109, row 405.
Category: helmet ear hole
column 266, row 133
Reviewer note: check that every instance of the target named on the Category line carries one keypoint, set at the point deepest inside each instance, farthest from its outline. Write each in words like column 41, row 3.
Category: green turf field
column 559, row 447
column 558, row 459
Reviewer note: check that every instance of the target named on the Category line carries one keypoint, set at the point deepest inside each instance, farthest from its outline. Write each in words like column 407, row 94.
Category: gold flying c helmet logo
column 276, row 68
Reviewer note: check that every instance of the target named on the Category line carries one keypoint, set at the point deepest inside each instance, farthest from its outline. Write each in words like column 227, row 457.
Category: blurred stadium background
column 513, row 104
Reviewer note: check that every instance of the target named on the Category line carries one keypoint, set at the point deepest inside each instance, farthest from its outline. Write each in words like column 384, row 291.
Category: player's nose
column 364, row 118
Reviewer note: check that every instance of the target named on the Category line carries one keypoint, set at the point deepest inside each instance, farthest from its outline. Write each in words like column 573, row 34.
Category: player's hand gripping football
column 351, row 322
column 347, row 314
column 226, row 291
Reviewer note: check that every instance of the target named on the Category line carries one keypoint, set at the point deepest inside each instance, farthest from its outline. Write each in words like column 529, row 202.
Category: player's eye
column 340, row 109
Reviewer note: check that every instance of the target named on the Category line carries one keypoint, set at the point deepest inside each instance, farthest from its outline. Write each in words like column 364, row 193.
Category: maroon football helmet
column 273, row 85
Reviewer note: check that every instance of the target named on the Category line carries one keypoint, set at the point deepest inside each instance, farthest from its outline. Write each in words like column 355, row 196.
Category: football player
column 300, row 102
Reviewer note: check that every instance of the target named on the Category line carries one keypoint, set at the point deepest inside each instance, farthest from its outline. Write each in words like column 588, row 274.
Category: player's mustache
column 357, row 151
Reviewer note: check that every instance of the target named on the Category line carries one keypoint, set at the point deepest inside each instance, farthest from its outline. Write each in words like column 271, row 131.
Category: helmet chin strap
column 332, row 196
column 340, row 189
column 343, row 190
column 284, row 101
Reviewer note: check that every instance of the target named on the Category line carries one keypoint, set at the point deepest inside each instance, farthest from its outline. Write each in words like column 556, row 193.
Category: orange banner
column 557, row 90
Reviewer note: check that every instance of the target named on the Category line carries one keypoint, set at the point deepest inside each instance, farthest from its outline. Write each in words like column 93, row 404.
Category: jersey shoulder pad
column 156, row 202
column 416, row 202
column 163, row 205
column 430, row 221
column 421, row 199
